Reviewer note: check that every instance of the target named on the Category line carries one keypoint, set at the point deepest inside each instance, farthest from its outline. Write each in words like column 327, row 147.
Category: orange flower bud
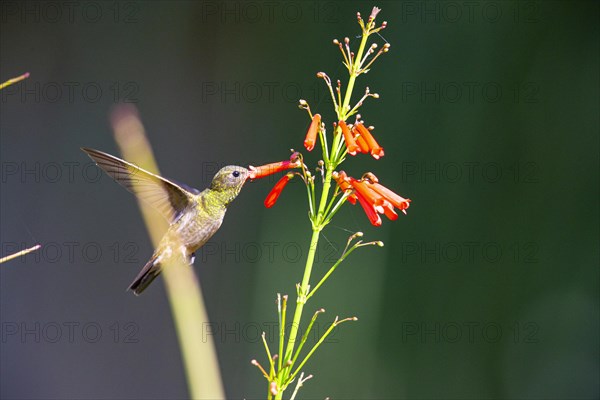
column 311, row 135
column 376, row 150
column 349, row 138
column 276, row 191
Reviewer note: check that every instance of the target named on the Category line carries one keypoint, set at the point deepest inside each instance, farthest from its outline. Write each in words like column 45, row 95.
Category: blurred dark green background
column 488, row 288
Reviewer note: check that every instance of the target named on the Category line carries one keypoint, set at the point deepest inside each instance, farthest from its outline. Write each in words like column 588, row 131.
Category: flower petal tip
column 311, row 134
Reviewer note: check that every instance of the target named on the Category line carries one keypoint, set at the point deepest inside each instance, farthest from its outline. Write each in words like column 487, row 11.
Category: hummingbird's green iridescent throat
column 194, row 216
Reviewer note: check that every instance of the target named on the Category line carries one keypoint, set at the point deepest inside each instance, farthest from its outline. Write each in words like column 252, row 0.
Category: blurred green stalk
column 183, row 290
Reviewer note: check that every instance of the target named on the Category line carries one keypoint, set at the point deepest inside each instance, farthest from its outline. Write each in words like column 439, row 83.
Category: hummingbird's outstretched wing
column 167, row 197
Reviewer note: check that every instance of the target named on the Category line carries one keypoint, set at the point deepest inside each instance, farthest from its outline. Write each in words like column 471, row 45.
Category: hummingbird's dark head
column 229, row 181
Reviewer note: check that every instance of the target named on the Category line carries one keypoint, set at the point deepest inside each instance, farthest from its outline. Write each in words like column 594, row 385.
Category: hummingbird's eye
column 235, row 173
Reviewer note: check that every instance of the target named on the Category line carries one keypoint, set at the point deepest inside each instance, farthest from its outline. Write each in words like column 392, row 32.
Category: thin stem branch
column 300, row 383
column 19, row 253
column 321, row 340
column 281, row 327
column 12, row 81
column 306, row 333
column 264, row 340
column 331, row 270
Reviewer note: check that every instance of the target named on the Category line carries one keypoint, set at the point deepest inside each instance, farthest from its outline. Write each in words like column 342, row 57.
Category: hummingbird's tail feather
column 150, row 271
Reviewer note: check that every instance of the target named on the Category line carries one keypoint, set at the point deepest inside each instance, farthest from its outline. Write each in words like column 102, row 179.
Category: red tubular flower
column 360, row 140
column 311, row 135
column 276, row 191
column 369, row 210
column 376, row 150
column 349, row 138
column 397, row 201
column 273, row 168
column 388, row 210
column 374, row 198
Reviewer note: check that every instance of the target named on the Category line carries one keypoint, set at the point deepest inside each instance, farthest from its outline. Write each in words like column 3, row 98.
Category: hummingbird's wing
column 167, row 197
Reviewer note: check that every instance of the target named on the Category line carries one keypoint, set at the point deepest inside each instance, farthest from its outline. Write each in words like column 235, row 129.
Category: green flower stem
column 264, row 339
column 304, row 286
column 282, row 315
column 331, row 202
column 345, row 108
column 323, row 138
column 322, row 205
column 302, row 295
column 318, row 223
column 337, row 206
column 306, row 333
column 355, row 68
column 299, row 307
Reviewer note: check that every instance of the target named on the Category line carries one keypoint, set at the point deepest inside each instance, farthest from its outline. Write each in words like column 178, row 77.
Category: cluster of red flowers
column 358, row 139
column 374, row 198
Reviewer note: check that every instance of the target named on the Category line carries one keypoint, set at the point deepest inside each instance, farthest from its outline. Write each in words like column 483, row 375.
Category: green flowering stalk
column 349, row 138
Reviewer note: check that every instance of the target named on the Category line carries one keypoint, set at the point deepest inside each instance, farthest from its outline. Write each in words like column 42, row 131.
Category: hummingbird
column 194, row 216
